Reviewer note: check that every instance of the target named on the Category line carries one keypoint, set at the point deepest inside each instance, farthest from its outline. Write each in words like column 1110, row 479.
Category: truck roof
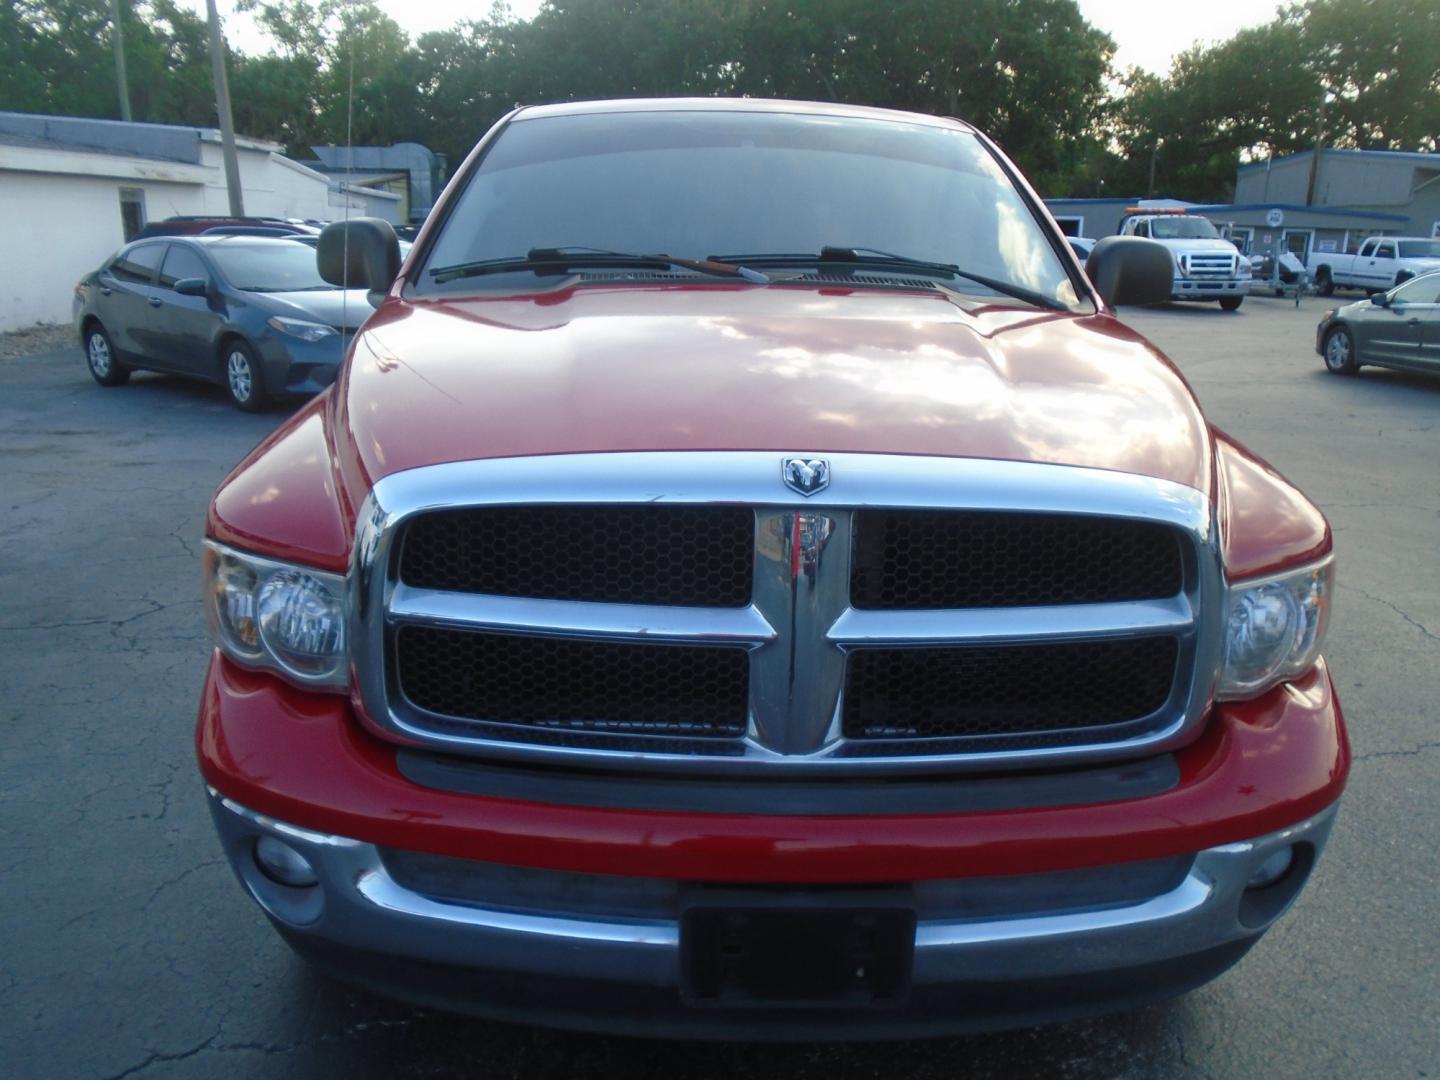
column 706, row 104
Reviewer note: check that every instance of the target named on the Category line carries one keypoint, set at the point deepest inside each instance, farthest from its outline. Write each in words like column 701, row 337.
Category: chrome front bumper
column 505, row 963
column 1184, row 288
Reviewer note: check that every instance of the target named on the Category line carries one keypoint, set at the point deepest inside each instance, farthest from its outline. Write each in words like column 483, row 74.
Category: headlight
column 300, row 328
column 1242, row 269
column 1273, row 629
column 277, row 616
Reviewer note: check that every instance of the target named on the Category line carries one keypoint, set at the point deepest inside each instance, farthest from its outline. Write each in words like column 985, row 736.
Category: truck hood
column 1183, row 246
column 717, row 367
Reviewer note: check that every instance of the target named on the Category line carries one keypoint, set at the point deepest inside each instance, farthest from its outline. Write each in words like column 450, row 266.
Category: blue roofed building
column 1329, row 202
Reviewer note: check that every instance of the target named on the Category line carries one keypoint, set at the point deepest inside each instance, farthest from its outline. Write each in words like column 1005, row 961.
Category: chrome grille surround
column 1207, row 264
column 799, row 626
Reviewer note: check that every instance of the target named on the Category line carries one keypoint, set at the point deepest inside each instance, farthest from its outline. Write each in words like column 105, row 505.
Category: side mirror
column 1380, row 299
column 1130, row 270
column 192, row 286
column 359, row 253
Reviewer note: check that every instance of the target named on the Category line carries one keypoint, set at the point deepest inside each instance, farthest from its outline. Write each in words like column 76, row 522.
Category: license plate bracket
column 801, row 948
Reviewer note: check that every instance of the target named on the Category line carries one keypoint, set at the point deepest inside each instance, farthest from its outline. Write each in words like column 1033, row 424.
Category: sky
column 1147, row 35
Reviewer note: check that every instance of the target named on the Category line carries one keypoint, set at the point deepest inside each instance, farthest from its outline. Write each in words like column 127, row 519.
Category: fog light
column 283, row 864
column 1272, row 869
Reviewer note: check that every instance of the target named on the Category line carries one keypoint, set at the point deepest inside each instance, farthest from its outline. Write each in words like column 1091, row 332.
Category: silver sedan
column 1395, row 329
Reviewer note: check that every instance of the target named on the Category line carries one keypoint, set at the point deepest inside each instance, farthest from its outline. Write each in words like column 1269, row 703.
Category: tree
column 167, row 56
column 1379, row 64
column 273, row 97
column 56, row 57
column 1029, row 72
column 467, row 75
column 1033, row 74
column 50, row 56
column 1375, row 65
column 1250, row 96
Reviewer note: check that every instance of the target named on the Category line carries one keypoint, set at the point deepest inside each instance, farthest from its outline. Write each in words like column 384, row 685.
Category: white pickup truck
column 1207, row 267
column 1381, row 263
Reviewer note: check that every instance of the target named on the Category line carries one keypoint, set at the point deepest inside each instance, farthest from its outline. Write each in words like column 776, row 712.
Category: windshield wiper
column 571, row 258
column 871, row 257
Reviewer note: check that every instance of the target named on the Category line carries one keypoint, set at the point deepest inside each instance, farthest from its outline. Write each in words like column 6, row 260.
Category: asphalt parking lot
column 130, row 950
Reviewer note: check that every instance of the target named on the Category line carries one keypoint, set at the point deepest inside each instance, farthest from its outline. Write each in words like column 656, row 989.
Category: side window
column 181, row 262
column 1142, row 228
column 1367, row 249
column 1385, row 251
column 138, row 264
column 1424, row 290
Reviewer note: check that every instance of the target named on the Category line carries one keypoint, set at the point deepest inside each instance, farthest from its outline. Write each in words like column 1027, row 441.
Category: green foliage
column 56, row 56
column 1350, row 73
column 1379, row 62
column 1033, row 74
column 1252, row 95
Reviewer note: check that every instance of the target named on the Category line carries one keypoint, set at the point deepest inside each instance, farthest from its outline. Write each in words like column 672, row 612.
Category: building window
column 1241, row 239
column 132, row 211
column 1435, row 229
column 1071, row 226
column 1298, row 242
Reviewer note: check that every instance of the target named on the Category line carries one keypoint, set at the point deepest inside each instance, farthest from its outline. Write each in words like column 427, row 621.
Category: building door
column 1298, row 242
column 132, row 212
column 1240, row 237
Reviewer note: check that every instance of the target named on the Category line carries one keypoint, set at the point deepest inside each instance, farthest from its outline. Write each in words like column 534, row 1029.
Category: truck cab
column 1381, row 263
column 1207, row 266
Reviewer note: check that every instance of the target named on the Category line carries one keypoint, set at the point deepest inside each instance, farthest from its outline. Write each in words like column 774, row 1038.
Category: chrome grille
column 994, row 693
column 945, row 670
column 1209, row 264
column 696, row 556
column 962, row 559
column 567, row 685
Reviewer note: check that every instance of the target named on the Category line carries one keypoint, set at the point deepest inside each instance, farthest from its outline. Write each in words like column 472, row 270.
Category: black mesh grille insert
column 989, row 690
column 575, row 685
column 961, row 559
column 696, row 556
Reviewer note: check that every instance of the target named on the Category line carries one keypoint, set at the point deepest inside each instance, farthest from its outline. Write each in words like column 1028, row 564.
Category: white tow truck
column 1207, row 267
column 1381, row 263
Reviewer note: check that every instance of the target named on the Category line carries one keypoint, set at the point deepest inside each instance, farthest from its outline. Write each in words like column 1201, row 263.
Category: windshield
column 701, row 184
column 1182, row 228
column 1420, row 249
column 274, row 266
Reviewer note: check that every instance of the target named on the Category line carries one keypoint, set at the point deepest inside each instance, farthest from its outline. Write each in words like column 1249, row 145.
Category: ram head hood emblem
column 805, row 475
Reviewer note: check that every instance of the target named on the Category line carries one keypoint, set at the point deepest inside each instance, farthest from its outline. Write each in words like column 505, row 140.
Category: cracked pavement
column 129, row 949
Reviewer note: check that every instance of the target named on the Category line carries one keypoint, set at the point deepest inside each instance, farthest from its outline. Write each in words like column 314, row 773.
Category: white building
column 75, row 189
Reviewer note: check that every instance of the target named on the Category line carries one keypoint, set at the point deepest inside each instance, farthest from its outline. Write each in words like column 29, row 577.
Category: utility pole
column 1315, row 154
column 222, row 106
column 117, row 38
column 1154, row 153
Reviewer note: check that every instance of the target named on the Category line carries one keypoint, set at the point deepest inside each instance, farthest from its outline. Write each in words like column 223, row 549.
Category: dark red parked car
column 185, row 225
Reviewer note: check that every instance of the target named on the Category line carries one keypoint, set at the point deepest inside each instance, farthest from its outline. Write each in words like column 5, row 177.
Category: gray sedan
column 250, row 313
column 1395, row 329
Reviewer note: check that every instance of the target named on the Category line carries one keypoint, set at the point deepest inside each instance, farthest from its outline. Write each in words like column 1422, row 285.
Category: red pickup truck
column 746, row 582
